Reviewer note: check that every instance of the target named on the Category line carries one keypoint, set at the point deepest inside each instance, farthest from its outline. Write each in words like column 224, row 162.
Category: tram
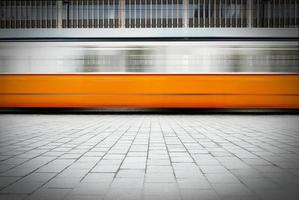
column 149, row 54
column 151, row 74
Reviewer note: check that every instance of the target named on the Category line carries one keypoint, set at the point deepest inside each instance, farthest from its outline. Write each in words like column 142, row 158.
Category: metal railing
column 148, row 13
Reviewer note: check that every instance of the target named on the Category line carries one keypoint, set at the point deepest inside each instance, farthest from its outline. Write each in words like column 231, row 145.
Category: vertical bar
column 87, row 13
column 185, row 13
column 193, row 14
column 76, row 14
column 40, row 14
column 231, row 13
column 198, row 13
column 13, row 14
column 274, row 14
column 204, row 13
column 98, row 14
column 16, row 13
column 284, row 13
column 9, row 14
column 236, row 13
column 46, row 13
column 108, row 14
column 95, row 13
column 209, row 15
column 279, row 13
column 145, row 13
column 156, row 13
column 172, row 13
column 11, row 17
column 81, row 13
column 12, row 6
column 50, row 13
column 114, row 12
column 220, row 13
column 296, row 13
column 177, row 12
column 37, row 17
column 3, row 14
column 93, row 20
column 79, row 18
column 225, row 11
column 59, row 14
column 91, row 13
column 103, row 14
column 150, row 13
column 4, row 17
column 269, row 13
column 23, row 13
column 72, row 14
column 166, row 18
column 55, row 13
column 54, row 9
column 161, row 13
column 215, row 11
column 129, row 8
column 121, row 14
column 289, row 13
column 258, row 14
column 115, row 15
column 241, row 13
column 135, row 14
column 31, row 12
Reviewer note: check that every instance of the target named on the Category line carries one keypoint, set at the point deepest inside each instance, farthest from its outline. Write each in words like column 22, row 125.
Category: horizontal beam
column 170, row 33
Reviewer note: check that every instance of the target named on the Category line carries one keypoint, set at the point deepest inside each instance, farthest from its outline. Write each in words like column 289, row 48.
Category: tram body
column 152, row 74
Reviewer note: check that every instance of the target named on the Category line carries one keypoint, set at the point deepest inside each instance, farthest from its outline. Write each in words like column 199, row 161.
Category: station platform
column 149, row 156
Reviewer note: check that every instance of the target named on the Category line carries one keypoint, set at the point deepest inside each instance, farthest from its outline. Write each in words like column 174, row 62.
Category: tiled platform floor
column 149, row 157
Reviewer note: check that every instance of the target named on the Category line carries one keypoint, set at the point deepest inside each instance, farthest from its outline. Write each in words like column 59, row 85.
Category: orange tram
column 149, row 75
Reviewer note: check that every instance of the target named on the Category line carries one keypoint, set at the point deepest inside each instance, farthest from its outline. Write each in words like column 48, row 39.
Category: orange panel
column 149, row 90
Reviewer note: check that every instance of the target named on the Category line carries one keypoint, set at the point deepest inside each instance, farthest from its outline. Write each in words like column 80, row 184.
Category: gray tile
column 63, row 183
column 22, row 187
column 209, row 157
column 98, row 177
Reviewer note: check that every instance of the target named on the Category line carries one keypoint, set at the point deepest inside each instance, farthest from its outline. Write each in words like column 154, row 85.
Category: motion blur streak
column 149, row 90
column 149, row 57
column 225, row 74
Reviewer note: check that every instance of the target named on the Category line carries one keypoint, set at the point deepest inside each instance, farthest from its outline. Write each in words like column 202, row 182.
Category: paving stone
column 22, row 187
column 211, row 157
column 12, row 197
column 63, row 182
column 98, row 177
column 49, row 194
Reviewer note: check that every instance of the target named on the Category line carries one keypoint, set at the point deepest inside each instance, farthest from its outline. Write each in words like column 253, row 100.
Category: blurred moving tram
column 124, row 66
